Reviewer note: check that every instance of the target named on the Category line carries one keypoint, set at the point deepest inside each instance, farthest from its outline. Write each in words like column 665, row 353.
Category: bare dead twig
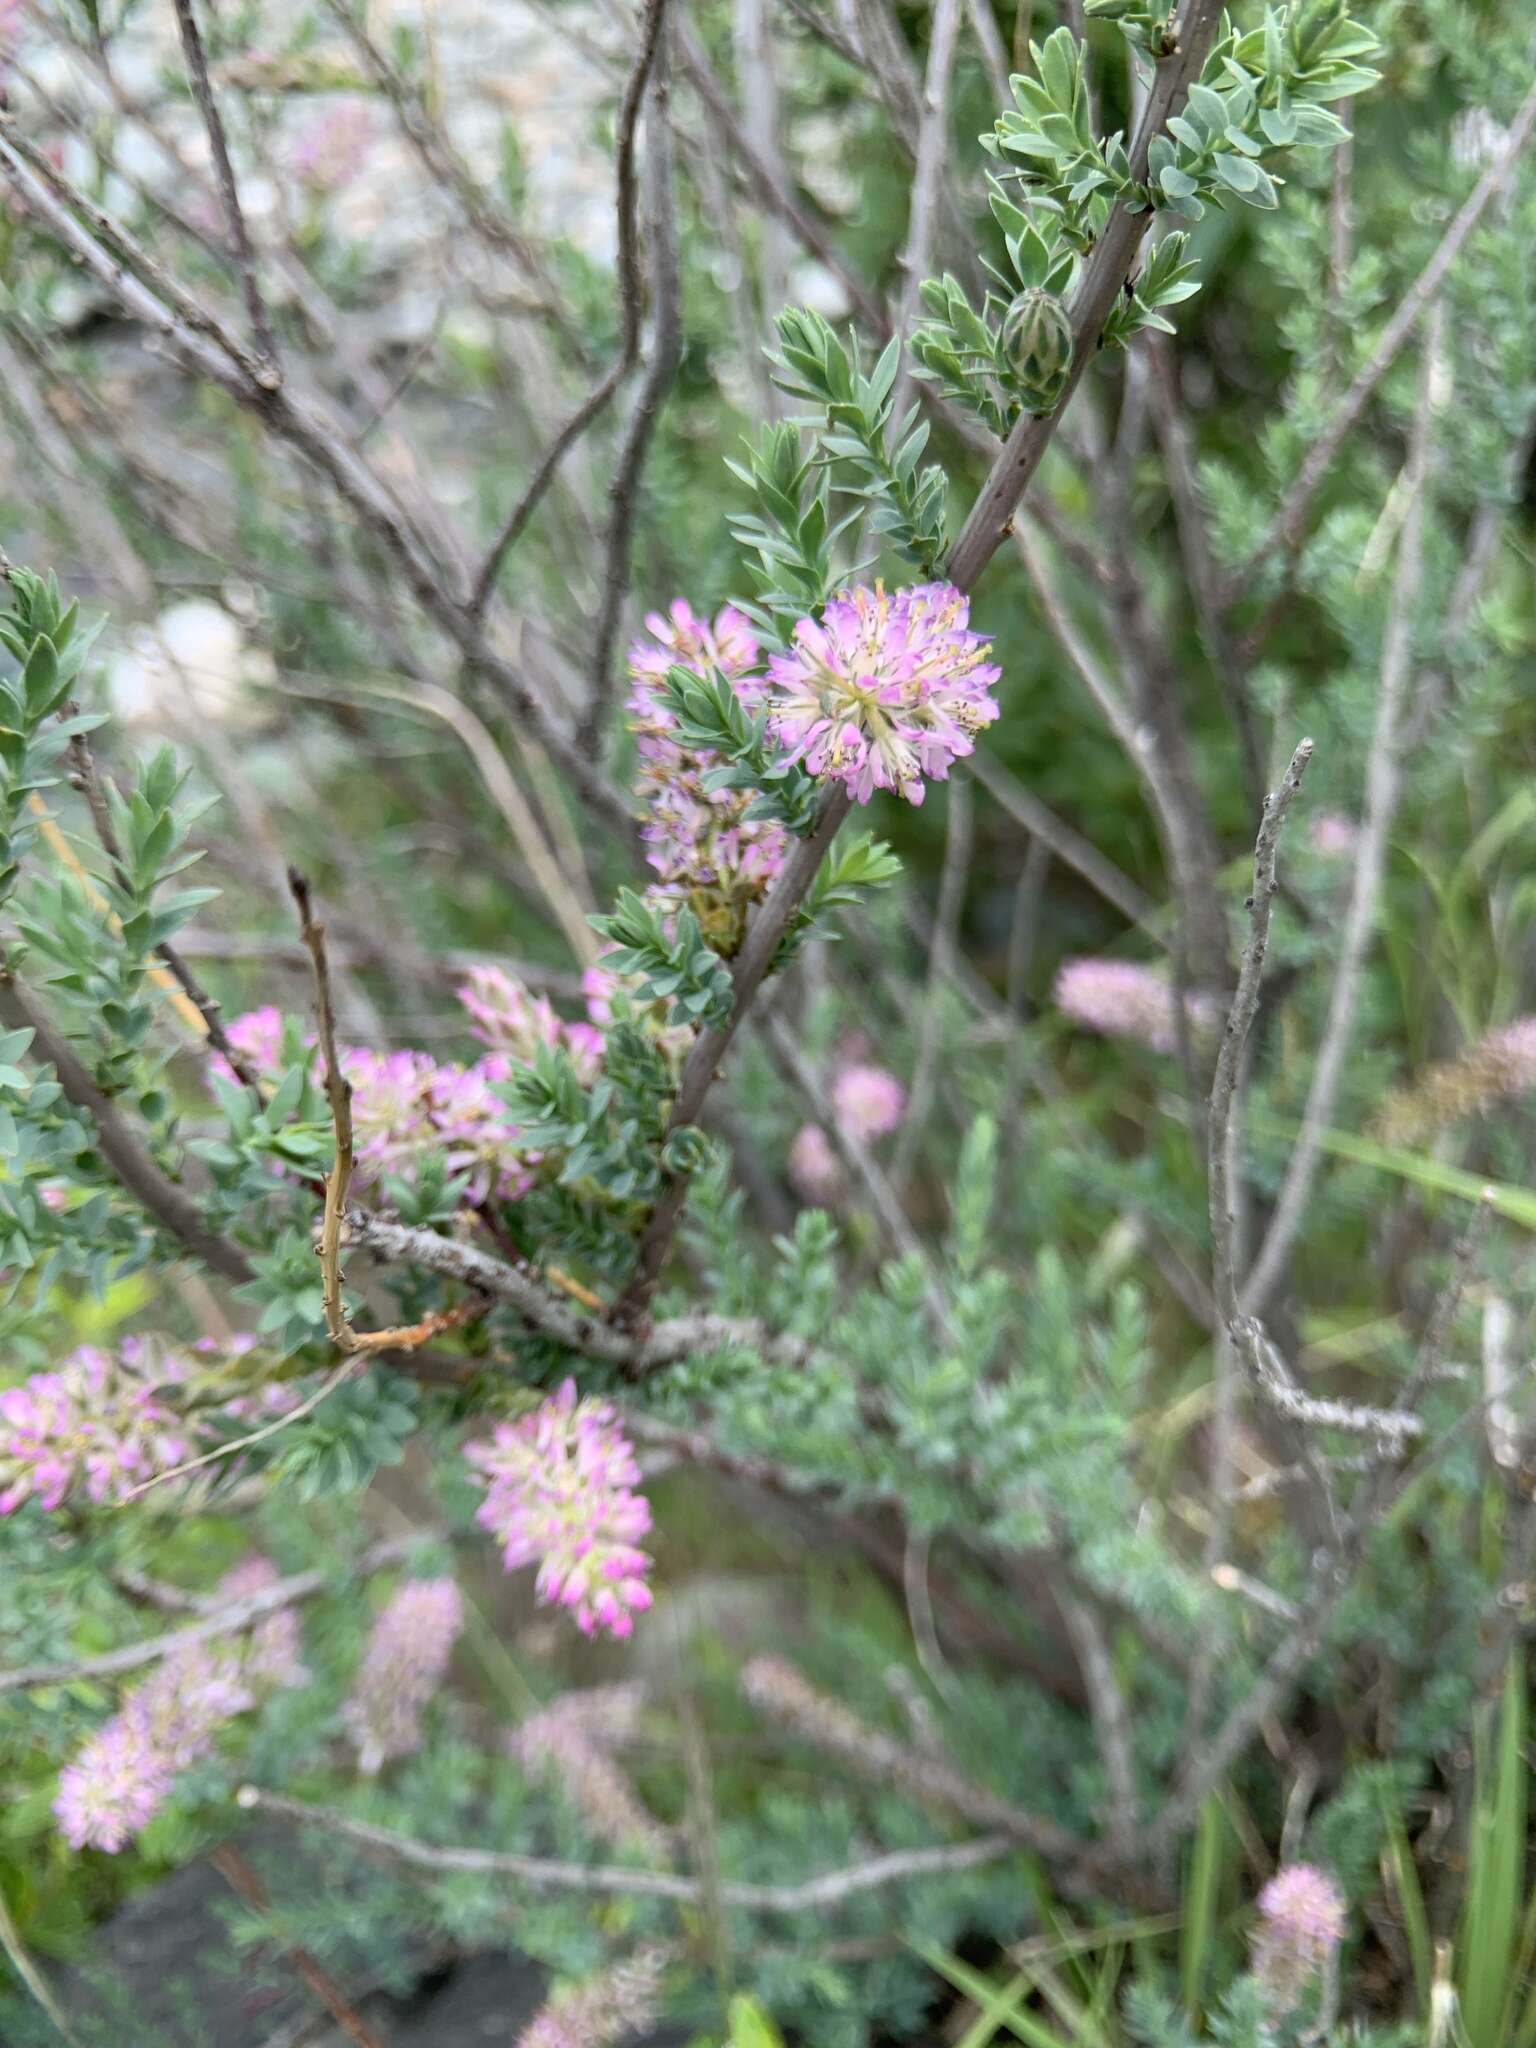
column 338, row 1181
column 927, row 181
column 953, row 877
column 1383, row 789
column 205, row 346
column 244, row 1882
column 227, row 1619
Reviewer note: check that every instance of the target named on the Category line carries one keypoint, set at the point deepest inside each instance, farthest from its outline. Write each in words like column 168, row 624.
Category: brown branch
column 524, row 1289
column 246, row 1885
column 171, row 1206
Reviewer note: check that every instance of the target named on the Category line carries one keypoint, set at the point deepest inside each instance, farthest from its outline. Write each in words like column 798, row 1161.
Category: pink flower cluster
column 103, row 1423
column 868, row 1103
column 407, row 1106
column 1301, row 1923
column 885, row 690
column 1121, row 999
column 333, row 146
column 94, row 1429
column 516, row 1025
column 123, row 1775
column 707, row 853
column 560, row 1495
column 407, row 1654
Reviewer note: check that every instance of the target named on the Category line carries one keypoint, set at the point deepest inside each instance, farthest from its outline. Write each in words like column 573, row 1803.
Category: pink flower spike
column 408, row 1651
column 560, row 1494
column 1302, row 1921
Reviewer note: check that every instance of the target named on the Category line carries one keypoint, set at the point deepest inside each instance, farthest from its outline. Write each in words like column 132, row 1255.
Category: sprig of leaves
column 710, row 717
column 851, row 868
column 860, row 431
column 676, row 967
column 791, row 535
column 49, row 647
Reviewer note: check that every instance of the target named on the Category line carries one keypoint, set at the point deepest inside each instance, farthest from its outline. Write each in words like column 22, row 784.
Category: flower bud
column 1036, row 342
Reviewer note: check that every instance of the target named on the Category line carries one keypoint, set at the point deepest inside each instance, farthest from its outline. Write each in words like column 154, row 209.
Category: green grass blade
column 1410, row 1899
column 1495, row 1865
column 999, row 2000
column 1202, row 1888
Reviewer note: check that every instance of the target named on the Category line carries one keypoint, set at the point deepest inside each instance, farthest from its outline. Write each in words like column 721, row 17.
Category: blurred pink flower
column 1121, row 999
column 869, row 1101
column 886, row 690
column 1301, row 1923
column 516, row 1023
column 93, row 1429
column 123, row 1774
column 570, row 1740
column 603, row 2010
column 813, row 1165
column 408, row 1651
column 708, row 855
column 1334, row 836
column 559, row 1494
column 333, row 146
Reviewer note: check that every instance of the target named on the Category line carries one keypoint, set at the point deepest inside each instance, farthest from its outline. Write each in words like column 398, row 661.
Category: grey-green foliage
column 675, row 967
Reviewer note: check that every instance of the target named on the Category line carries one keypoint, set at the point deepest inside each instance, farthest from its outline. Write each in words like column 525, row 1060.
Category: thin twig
column 524, row 1289
column 245, row 1883
column 927, row 181
column 1069, row 846
column 830, row 1888
column 1221, row 1122
column 1111, row 1714
column 205, row 346
column 942, row 953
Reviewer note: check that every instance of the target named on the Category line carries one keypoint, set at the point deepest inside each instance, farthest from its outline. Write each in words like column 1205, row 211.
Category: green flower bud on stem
column 1036, row 343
